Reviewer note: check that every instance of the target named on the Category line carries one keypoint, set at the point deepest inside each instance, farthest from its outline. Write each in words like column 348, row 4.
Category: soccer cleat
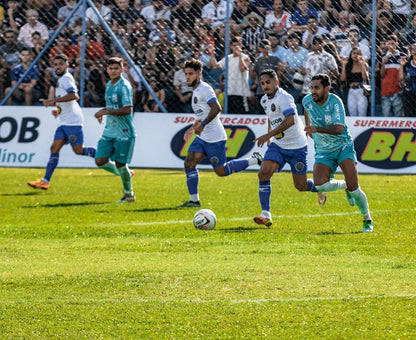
column 127, row 198
column 39, row 184
column 368, row 226
column 258, row 156
column 189, row 204
column 321, row 198
column 263, row 220
column 350, row 199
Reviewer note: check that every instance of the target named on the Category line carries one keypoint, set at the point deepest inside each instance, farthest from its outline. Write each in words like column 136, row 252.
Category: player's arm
column 67, row 98
column 335, row 129
column 215, row 109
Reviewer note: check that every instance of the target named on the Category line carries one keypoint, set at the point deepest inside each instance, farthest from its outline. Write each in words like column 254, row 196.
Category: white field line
column 208, row 301
column 274, row 217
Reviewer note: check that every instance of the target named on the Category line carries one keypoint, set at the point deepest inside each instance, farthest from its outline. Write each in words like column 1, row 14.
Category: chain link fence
column 296, row 38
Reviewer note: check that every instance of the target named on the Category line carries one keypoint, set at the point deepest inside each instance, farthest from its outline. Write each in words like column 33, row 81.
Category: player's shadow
column 243, row 229
column 153, row 209
column 21, row 194
column 333, row 232
column 60, row 205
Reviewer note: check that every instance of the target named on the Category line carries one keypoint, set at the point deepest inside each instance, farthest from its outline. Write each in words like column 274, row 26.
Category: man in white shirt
column 33, row 25
column 214, row 13
column 238, row 73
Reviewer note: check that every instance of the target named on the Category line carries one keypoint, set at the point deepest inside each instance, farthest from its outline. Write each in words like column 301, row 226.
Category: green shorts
column 335, row 158
column 116, row 149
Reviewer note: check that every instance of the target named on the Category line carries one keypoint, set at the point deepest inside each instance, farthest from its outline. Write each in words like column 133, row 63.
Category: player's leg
column 298, row 164
column 196, row 153
column 77, row 142
column 105, row 150
column 355, row 194
column 267, row 169
column 192, row 178
column 123, row 154
column 323, row 170
column 59, row 141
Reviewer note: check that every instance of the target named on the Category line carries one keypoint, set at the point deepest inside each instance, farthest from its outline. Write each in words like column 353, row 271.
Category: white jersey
column 202, row 96
column 277, row 108
column 71, row 113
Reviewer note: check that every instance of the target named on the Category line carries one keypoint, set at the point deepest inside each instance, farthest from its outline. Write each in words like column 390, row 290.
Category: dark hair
column 384, row 14
column 236, row 39
column 194, row 64
column 61, row 56
column 324, row 78
column 11, row 30
column 115, row 60
column 356, row 30
column 312, row 16
column 269, row 72
column 36, row 33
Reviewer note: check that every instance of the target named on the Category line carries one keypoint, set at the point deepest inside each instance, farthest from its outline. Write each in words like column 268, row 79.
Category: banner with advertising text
column 383, row 145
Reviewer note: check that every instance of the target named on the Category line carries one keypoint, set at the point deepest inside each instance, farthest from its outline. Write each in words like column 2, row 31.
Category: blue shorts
column 116, row 149
column 70, row 134
column 295, row 157
column 335, row 158
column 215, row 152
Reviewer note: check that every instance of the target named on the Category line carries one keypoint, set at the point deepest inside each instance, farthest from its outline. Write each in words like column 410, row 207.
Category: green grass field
column 73, row 264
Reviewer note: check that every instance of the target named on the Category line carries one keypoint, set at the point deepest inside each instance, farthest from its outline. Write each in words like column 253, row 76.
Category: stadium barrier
column 383, row 145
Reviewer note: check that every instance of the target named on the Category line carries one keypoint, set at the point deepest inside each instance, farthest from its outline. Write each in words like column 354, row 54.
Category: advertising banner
column 383, row 145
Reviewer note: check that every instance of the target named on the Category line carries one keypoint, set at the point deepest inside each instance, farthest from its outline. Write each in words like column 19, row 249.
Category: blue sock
column 192, row 180
column 236, row 165
column 265, row 190
column 50, row 167
column 89, row 151
column 311, row 186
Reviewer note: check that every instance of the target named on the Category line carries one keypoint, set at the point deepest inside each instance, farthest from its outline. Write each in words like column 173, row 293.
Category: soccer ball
column 205, row 219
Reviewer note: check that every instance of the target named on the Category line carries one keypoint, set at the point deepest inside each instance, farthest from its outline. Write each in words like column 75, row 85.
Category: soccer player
column 71, row 119
column 211, row 137
column 325, row 121
column 288, row 144
column 115, row 147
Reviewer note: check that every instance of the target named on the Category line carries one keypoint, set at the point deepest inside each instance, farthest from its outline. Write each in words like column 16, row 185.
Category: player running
column 325, row 121
column 288, row 144
column 211, row 137
column 71, row 119
column 115, row 147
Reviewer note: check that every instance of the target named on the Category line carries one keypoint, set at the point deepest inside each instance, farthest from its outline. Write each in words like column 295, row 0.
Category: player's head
column 320, row 86
column 60, row 64
column 115, row 67
column 193, row 71
column 269, row 82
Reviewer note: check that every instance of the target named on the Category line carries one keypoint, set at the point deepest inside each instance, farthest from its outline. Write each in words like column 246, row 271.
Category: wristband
column 203, row 123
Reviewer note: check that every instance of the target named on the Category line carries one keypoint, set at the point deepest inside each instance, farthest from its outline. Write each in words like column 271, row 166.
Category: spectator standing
column 123, row 14
column 279, row 21
column 186, row 13
column 253, row 34
column 64, row 11
column 13, row 17
column 181, row 88
column 355, row 75
column 104, row 11
column 242, row 8
column 27, row 91
column 354, row 41
column 264, row 62
column 153, row 11
column 32, row 25
column 391, row 92
column 162, row 25
column 214, row 13
column 410, row 36
column 312, row 30
column 407, row 76
column 238, row 73
column 48, row 15
column 340, row 33
column 300, row 16
column 316, row 62
column 276, row 49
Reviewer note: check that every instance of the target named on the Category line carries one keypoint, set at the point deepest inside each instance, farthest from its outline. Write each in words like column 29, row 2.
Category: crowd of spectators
column 297, row 38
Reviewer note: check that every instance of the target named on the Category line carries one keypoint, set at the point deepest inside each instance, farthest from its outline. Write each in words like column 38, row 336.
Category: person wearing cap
column 253, row 34
column 263, row 62
column 279, row 21
column 317, row 61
